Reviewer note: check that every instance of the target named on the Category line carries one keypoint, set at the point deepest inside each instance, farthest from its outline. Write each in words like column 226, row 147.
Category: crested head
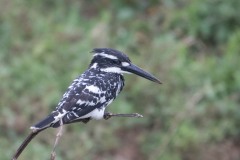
column 109, row 60
column 111, row 54
column 113, row 61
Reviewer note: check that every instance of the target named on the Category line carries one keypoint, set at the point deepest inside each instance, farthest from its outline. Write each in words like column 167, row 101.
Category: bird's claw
column 107, row 115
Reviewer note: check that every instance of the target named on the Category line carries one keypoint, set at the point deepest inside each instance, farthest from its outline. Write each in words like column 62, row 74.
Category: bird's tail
column 43, row 123
column 37, row 128
column 52, row 118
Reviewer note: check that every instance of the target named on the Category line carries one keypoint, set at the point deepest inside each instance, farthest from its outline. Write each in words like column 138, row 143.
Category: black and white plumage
column 90, row 93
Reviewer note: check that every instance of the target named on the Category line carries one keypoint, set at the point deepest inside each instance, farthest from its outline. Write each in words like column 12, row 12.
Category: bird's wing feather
column 77, row 101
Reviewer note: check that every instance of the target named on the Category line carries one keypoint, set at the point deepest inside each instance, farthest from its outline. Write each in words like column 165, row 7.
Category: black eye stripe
column 115, row 61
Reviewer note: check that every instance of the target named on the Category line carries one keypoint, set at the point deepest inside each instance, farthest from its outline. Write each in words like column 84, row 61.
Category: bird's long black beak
column 140, row 72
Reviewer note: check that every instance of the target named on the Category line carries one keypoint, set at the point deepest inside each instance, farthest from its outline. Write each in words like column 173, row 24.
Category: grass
column 192, row 46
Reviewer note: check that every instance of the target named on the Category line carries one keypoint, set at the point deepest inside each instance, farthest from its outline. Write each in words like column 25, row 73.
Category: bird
column 90, row 93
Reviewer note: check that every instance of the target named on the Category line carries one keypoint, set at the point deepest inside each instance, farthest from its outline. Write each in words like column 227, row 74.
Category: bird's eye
column 116, row 62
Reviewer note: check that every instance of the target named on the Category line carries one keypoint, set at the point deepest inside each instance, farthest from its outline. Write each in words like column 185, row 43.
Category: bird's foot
column 86, row 120
column 108, row 115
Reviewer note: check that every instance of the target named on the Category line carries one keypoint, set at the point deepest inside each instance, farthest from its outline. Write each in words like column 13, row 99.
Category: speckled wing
column 79, row 100
column 88, row 100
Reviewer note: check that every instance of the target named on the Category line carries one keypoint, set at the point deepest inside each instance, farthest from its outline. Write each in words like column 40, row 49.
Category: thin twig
column 108, row 115
column 59, row 134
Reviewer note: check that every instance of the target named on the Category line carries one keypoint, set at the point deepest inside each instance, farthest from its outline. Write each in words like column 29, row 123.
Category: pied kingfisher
column 90, row 93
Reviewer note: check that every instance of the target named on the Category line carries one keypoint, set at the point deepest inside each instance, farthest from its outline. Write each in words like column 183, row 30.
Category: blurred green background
column 193, row 46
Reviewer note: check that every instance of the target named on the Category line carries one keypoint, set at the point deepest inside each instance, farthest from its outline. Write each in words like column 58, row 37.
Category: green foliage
column 192, row 46
column 211, row 21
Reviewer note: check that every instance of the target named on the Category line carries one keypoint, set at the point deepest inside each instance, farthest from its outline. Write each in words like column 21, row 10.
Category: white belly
column 95, row 114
